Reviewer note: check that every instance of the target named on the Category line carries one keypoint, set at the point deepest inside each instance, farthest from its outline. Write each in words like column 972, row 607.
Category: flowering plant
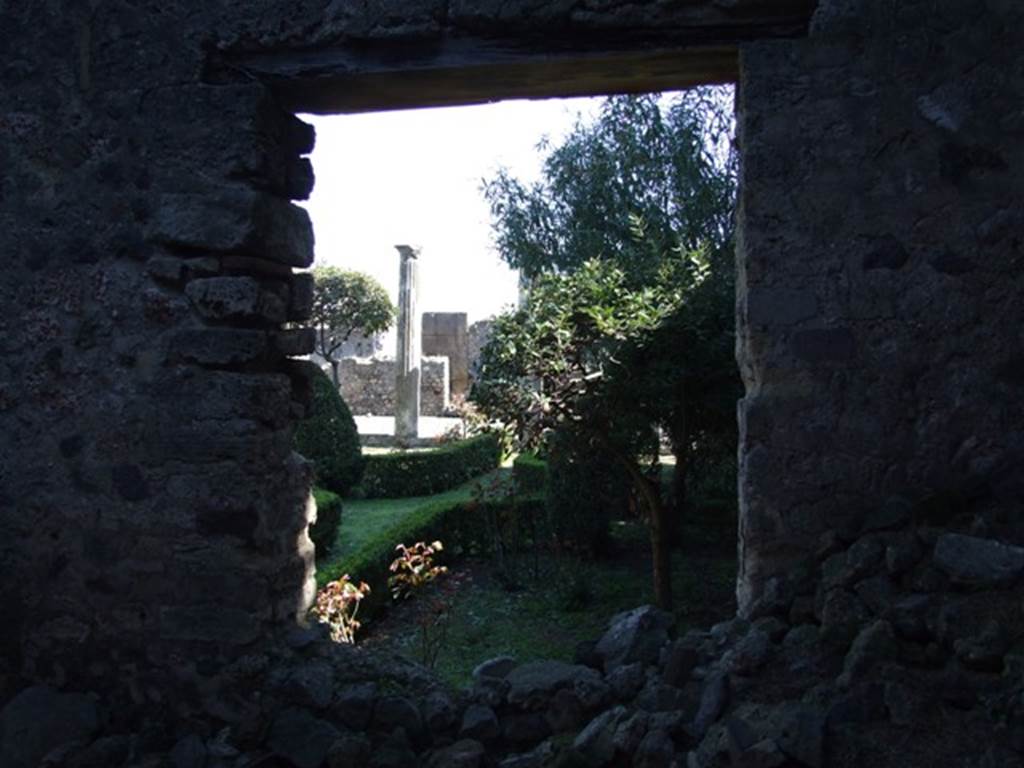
column 337, row 605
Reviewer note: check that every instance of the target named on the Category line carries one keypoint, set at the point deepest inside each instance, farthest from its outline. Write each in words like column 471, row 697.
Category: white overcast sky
column 414, row 177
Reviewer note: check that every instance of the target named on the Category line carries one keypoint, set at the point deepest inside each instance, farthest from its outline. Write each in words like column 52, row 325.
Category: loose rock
column 978, row 562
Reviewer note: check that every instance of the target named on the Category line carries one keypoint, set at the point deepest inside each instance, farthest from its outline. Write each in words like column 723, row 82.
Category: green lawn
column 362, row 519
column 543, row 606
column 546, row 615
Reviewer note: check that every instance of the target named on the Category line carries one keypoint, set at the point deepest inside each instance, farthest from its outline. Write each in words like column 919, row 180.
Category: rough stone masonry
column 152, row 513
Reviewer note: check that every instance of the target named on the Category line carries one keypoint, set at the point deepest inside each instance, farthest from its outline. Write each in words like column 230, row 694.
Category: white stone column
column 407, row 357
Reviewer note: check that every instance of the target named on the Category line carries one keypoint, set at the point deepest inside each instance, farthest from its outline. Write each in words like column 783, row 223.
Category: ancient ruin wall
column 152, row 513
column 368, row 386
column 446, row 334
column 880, row 274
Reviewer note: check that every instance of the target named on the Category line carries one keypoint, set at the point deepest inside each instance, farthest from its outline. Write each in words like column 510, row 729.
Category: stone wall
column 446, row 334
column 879, row 285
column 368, row 385
column 152, row 514
column 479, row 335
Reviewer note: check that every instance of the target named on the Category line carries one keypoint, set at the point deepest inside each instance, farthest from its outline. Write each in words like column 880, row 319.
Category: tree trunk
column 334, row 373
column 679, row 473
column 658, row 527
column 678, row 432
column 661, row 556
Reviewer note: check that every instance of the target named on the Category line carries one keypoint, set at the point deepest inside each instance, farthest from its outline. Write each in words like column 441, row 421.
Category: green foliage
column 649, row 186
column 551, row 363
column 413, row 570
column 586, row 490
column 421, row 473
column 713, row 488
column 572, row 600
column 324, row 532
column 330, row 439
column 627, row 242
column 344, row 302
column 668, row 162
column 574, row 589
column 530, row 473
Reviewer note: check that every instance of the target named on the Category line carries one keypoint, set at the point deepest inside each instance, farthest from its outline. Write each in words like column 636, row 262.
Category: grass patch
column 367, row 519
column 550, row 604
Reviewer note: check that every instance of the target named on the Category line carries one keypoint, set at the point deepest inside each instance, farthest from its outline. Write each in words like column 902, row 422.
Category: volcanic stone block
column 446, row 334
column 224, row 298
column 302, row 288
column 294, row 341
column 970, row 560
column 218, row 346
column 236, row 219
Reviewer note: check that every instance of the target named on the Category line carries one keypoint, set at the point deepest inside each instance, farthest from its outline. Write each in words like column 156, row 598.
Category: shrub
column 585, row 491
column 324, row 532
column 464, row 526
column 329, row 437
column 530, row 472
column 413, row 570
column 424, row 473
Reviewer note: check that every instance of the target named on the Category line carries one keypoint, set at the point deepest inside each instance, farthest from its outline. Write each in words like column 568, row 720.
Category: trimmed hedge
column 530, row 473
column 464, row 527
column 324, row 532
column 329, row 437
column 424, row 473
column 585, row 491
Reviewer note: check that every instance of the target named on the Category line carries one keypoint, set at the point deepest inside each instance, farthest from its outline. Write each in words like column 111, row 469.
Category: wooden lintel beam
column 451, row 68
column 323, row 89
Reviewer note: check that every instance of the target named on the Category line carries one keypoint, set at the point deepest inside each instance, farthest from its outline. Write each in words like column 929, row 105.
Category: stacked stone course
column 368, row 385
column 153, row 516
column 881, row 649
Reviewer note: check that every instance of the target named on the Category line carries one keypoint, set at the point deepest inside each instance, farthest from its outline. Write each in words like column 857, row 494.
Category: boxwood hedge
column 530, row 473
column 424, row 473
column 329, row 437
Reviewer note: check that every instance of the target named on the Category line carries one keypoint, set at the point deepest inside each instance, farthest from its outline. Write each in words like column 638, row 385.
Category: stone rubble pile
column 900, row 647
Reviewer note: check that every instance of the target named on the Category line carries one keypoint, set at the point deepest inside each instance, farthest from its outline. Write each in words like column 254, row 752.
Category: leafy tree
column 648, row 187
column 666, row 162
column 344, row 302
column 562, row 362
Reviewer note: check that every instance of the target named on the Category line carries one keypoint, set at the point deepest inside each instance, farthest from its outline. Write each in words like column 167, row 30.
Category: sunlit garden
column 593, row 465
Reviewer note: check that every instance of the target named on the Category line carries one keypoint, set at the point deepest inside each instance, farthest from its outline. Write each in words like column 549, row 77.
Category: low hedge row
column 424, row 473
column 324, row 532
column 530, row 473
column 464, row 527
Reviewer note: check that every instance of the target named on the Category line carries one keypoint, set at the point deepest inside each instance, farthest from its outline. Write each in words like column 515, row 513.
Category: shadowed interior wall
column 152, row 513
column 880, row 277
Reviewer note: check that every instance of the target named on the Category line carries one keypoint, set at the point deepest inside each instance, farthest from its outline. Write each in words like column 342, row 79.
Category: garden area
column 596, row 468
column 529, row 600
